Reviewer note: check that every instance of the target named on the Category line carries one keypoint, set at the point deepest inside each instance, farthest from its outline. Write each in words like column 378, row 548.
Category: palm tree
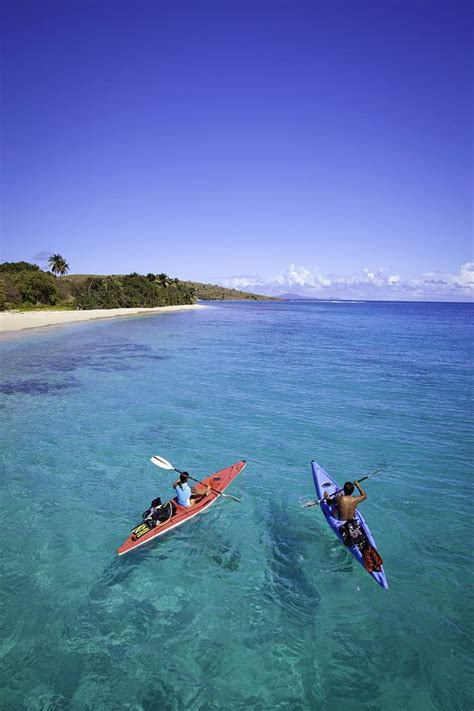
column 164, row 280
column 58, row 264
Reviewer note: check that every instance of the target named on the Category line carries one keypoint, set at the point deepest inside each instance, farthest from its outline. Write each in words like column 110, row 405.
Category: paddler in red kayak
column 344, row 503
column 185, row 495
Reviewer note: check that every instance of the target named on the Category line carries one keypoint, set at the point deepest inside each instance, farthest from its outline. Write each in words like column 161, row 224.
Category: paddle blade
column 161, row 462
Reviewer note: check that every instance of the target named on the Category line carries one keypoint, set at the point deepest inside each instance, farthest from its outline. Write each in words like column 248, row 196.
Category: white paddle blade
column 161, row 462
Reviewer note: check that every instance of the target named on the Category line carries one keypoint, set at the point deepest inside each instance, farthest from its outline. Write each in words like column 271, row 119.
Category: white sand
column 37, row 319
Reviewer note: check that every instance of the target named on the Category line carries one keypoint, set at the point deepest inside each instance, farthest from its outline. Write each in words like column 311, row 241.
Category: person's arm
column 175, row 484
column 362, row 496
column 201, row 489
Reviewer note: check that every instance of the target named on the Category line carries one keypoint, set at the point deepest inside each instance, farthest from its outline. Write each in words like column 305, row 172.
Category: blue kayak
column 323, row 482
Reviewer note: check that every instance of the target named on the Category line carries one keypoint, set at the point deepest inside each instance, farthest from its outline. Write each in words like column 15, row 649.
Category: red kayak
column 219, row 481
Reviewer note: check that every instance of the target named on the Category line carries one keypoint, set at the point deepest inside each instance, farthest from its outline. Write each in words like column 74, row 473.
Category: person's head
column 348, row 488
column 183, row 477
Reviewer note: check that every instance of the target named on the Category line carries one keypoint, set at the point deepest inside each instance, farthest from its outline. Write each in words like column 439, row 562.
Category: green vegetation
column 131, row 291
column 25, row 286
column 60, row 306
column 15, row 267
column 23, row 283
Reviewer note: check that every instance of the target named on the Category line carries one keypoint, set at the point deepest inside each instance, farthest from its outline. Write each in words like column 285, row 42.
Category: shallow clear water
column 253, row 605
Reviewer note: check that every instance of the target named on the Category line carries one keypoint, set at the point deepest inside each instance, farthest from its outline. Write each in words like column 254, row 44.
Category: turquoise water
column 253, row 605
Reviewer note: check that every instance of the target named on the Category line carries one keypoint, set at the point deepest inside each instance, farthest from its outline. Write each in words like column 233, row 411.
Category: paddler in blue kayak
column 344, row 503
column 186, row 496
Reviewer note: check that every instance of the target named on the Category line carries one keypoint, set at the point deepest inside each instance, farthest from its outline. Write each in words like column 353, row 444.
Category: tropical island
column 25, row 287
column 31, row 297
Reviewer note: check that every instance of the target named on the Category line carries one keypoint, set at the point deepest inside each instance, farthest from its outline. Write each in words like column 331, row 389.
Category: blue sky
column 322, row 147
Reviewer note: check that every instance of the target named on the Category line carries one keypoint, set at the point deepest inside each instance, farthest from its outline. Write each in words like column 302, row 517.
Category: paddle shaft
column 219, row 493
column 367, row 476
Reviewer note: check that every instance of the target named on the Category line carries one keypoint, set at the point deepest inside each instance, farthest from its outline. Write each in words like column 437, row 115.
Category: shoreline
column 15, row 322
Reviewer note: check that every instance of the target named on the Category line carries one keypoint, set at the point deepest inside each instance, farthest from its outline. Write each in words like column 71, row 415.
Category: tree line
column 25, row 284
column 132, row 291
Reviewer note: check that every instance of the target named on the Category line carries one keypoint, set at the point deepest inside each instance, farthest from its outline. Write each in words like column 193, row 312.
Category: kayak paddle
column 164, row 464
column 367, row 476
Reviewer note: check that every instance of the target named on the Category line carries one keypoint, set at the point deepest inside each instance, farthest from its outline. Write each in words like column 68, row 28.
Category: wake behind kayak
column 177, row 515
column 361, row 551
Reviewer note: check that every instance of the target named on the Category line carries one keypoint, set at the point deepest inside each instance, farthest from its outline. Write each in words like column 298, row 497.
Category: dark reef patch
column 225, row 555
column 36, row 387
column 107, row 357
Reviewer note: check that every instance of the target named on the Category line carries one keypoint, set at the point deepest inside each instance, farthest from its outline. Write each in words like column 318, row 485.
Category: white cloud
column 368, row 284
column 461, row 283
column 300, row 276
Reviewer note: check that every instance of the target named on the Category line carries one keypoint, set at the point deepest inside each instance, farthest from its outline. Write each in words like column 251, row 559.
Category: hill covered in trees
column 213, row 292
column 24, row 285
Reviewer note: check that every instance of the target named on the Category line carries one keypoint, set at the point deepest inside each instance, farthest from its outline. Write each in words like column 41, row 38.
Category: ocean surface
column 253, row 605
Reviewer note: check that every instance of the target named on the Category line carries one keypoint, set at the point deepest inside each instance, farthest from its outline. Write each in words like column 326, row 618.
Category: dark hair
column 348, row 488
column 183, row 477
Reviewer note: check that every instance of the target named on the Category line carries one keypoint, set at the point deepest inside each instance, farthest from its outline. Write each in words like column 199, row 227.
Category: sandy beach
column 11, row 322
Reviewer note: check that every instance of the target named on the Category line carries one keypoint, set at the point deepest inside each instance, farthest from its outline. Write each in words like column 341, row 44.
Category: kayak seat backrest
column 159, row 513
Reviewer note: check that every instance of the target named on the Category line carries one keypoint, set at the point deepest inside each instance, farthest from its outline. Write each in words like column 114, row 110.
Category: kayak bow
column 218, row 481
column 323, row 482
